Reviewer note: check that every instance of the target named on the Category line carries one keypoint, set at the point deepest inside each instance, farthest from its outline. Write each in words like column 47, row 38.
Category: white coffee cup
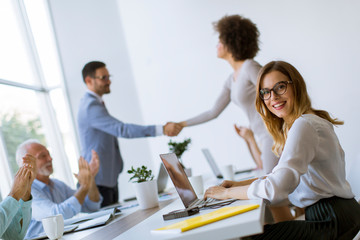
column 198, row 184
column 53, row 226
column 227, row 172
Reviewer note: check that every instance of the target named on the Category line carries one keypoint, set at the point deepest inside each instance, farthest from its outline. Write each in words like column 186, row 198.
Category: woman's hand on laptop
column 228, row 184
column 216, row 192
column 219, row 192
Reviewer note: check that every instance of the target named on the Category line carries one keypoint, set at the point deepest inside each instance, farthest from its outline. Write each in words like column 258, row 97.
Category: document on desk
column 211, row 217
column 85, row 221
column 98, row 221
column 88, row 216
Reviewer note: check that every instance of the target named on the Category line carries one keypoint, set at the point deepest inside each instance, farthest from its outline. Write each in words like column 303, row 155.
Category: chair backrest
column 357, row 237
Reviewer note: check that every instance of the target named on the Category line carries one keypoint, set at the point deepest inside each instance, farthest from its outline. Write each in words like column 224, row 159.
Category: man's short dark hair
column 90, row 68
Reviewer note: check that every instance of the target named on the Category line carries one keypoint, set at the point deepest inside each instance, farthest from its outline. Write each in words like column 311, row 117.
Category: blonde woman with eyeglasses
column 311, row 168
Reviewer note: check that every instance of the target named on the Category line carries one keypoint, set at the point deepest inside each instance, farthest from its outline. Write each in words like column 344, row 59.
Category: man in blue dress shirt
column 99, row 130
column 52, row 196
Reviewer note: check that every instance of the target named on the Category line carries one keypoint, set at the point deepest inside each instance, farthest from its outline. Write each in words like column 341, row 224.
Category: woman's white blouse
column 241, row 92
column 311, row 166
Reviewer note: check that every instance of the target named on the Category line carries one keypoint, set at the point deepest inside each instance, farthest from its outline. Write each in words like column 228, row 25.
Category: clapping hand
column 94, row 163
column 244, row 132
column 29, row 162
column 21, row 185
column 84, row 176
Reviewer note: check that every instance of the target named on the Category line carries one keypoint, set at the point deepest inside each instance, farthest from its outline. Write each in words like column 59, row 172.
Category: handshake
column 172, row 129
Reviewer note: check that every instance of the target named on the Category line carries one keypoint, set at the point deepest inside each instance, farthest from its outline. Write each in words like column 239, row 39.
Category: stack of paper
column 81, row 217
column 85, row 221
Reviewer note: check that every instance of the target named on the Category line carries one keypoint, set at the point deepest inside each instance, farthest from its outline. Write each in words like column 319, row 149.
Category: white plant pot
column 147, row 194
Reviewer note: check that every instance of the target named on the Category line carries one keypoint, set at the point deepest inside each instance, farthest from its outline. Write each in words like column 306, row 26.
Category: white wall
column 172, row 50
column 162, row 54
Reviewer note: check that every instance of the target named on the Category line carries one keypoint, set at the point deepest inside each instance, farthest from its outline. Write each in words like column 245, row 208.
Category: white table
column 135, row 223
column 244, row 224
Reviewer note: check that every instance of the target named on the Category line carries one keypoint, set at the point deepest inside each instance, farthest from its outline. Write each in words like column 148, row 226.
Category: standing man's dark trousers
column 110, row 195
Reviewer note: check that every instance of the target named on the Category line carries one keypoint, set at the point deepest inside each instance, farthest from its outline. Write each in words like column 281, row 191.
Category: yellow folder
column 198, row 221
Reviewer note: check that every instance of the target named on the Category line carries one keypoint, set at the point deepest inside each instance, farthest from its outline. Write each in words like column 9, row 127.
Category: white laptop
column 183, row 186
column 162, row 179
column 214, row 167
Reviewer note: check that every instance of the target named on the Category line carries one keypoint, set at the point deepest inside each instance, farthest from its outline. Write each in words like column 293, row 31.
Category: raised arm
column 100, row 119
column 84, row 179
column 93, row 200
column 220, row 104
column 249, row 138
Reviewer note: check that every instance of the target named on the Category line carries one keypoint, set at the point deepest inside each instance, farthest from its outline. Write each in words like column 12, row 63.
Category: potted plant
column 145, row 187
column 179, row 148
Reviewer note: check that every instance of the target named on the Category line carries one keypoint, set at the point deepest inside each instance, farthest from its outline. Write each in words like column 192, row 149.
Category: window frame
column 47, row 116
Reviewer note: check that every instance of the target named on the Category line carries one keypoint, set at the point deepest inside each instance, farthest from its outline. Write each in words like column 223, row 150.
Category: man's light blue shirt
column 56, row 198
column 11, row 213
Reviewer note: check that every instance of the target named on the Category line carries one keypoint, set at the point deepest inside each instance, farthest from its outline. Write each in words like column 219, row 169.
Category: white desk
column 129, row 218
column 135, row 223
column 244, row 224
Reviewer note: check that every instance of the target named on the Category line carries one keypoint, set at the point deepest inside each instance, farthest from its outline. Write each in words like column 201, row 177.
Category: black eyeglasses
column 279, row 89
column 103, row 78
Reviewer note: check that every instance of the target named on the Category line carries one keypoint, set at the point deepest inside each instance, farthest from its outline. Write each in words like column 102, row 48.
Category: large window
column 32, row 96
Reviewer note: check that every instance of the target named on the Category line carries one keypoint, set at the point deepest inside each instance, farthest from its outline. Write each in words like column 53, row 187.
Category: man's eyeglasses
column 279, row 89
column 103, row 78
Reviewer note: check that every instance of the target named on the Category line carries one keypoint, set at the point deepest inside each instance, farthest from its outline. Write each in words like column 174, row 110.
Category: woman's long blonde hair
column 302, row 104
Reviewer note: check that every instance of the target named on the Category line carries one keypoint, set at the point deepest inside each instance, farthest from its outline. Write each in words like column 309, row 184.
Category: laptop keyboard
column 202, row 202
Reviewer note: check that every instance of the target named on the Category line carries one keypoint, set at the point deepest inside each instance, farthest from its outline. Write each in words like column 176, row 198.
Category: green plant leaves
column 179, row 147
column 140, row 174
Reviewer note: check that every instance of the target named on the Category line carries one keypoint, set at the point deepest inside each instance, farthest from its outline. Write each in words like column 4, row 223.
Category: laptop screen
column 162, row 178
column 211, row 162
column 179, row 178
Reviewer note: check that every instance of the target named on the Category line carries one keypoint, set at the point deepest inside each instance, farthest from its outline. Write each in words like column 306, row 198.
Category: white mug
column 228, row 172
column 53, row 226
column 198, row 184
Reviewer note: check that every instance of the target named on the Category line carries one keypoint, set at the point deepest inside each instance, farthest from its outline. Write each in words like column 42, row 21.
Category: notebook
column 211, row 217
column 85, row 221
column 183, row 186
column 214, row 167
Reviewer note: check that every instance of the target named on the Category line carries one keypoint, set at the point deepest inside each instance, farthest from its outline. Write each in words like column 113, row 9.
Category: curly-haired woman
column 238, row 45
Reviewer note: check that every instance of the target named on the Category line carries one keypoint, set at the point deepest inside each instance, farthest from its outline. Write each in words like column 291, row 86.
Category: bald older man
column 52, row 196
